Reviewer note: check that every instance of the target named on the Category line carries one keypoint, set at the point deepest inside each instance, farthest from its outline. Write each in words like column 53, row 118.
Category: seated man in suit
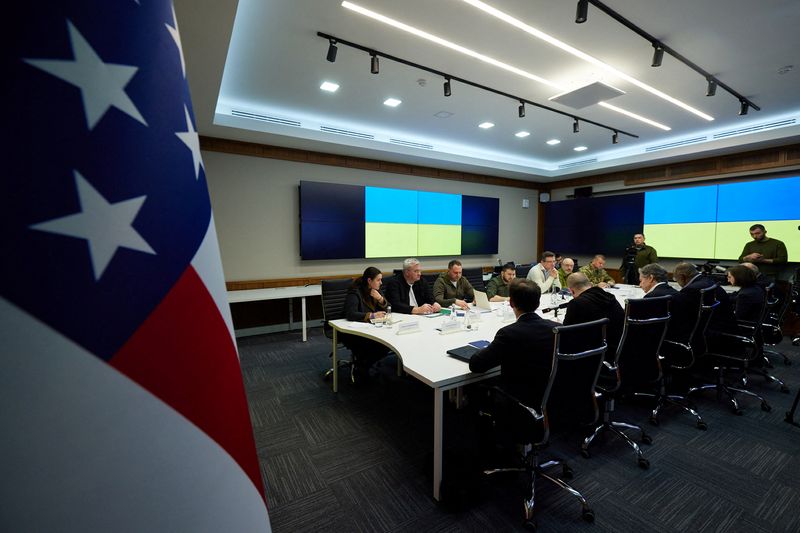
column 545, row 274
column 761, row 280
column 524, row 349
column 596, row 272
column 409, row 294
column 452, row 288
column 653, row 279
column 593, row 303
column 497, row 288
column 684, row 304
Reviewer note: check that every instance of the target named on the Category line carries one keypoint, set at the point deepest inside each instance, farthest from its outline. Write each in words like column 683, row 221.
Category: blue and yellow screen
column 712, row 222
column 350, row 221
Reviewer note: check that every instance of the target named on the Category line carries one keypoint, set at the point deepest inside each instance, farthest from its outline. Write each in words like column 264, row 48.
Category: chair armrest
column 533, row 412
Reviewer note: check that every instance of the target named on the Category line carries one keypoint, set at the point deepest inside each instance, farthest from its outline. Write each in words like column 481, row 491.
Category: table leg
column 438, row 413
column 291, row 314
column 303, row 305
column 335, row 364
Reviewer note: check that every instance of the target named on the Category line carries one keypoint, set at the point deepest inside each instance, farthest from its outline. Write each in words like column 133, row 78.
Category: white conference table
column 279, row 293
column 423, row 354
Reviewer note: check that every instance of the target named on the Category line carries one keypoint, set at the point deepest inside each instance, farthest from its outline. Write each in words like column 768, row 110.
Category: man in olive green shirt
column 596, row 272
column 566, row 268
column 497, row 288
column 768, row 254
column 645, row 255
column 451, row 288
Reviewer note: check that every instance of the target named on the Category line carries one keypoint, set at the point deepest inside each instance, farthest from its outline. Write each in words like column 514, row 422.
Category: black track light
column 711, row 90
column 658, row 55
column 576, row 127
column 522, row 109
column 332, row 50
column 615, row 138
column 744, row 107
column 374, row 67
column 447, row 91
column 582, row 11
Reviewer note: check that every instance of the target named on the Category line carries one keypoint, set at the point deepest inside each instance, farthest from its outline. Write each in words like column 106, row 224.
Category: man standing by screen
column 768, row 254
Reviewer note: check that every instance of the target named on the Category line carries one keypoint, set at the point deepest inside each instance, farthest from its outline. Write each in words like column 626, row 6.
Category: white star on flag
column 192, row 141
column 102, row 84
column 176, row 36
column 105, row 226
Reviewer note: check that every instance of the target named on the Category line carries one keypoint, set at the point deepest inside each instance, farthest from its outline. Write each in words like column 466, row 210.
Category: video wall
column 351, row 221
column 703, row 222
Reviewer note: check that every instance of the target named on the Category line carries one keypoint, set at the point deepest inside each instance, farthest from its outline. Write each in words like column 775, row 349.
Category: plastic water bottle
column 388, row 319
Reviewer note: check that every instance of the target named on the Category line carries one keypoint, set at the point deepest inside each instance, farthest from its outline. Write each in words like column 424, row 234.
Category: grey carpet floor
column 361, row 460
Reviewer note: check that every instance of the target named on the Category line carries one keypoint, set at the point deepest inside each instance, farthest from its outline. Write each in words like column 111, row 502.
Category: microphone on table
column 559, row 306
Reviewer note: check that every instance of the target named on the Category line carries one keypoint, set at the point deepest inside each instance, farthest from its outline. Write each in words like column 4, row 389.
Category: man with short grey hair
column 653, row 279
column 408, row 293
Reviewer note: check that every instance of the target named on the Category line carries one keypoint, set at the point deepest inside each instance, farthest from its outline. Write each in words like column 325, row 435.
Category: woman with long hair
column 749, row 300
column 364, row 303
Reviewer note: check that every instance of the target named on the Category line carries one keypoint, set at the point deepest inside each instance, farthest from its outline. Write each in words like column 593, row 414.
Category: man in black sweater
column 593, row 303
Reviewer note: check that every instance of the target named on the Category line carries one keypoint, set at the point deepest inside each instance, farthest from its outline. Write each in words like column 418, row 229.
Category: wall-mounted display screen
column 703, row 222
column 350, row 221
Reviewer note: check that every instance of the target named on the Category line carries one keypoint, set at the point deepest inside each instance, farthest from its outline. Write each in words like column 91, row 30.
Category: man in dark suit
column 593, row 303
column 654, row 281
column 524, row 349
column 685, row 303
column 410, row 294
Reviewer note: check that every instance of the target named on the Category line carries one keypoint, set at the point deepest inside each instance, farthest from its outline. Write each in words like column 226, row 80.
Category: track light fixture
column 660, row 48
column 582, row 12
column 743, row 107
column 523, row 102
column 576, row 127
column 615, row 138
column 658, row 55
column 711, row 90
column 332, row 50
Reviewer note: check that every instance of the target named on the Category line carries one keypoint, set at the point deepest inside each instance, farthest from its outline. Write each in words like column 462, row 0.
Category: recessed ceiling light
column 329, row 86
column 582, row 55
column 443, row 114
column 580, row 148
column 392, row 102
column 522, row 134
column 486, row 125
column 553, row 142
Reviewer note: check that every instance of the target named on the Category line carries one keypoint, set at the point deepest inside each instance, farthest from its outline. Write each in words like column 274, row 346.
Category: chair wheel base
column 585, row 453
column 653, row 421
column 702, row 425
column 766, row 407
column 530, row 525
column 588, row 515
column 566, row 472
column 647, row 439
column 784, row 389
column 644, row 464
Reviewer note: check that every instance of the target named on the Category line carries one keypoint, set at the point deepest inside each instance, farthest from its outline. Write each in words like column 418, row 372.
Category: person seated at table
column 452, row 288
column 545, row 274
column 761, row 280
column 749, row 300
column 409, row 293
column 684, row 305
column 364, row 303
column 593, row 303
column 566, row 268
column 523, row 350
column 497, row 288
column 596, row 272
column 653, row 279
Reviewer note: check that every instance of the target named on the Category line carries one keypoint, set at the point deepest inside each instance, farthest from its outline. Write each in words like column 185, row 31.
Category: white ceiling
column 274, row 64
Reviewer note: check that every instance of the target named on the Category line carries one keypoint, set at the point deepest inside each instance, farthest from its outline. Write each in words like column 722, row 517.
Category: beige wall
column 256, row 210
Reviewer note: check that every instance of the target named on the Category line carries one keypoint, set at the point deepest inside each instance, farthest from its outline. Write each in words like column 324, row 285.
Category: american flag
column 121, row 397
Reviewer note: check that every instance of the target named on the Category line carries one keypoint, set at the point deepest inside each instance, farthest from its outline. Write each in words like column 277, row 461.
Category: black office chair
column 475, row 278
column 678, row 358
column 737, row 351
column 333, row 296
column 771, row 327
column 522, row 270
column 430, row 279
column 569, row 398
column 636, row 365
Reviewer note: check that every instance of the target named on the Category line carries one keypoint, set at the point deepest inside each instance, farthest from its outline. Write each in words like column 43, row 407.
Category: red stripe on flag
column 183, row 354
